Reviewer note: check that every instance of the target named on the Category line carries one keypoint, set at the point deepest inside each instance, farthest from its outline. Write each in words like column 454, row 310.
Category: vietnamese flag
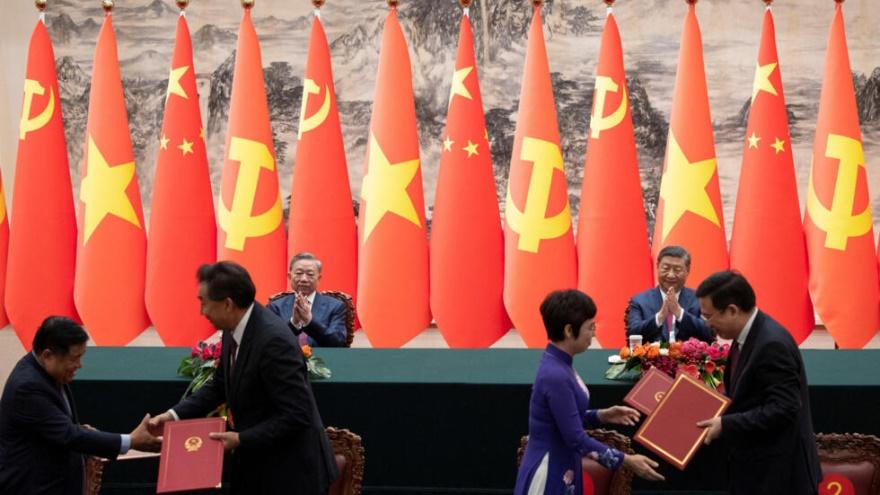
column 249, row 207
column 539, row 250
column 183, row 233
column 321, row 214
column 42, row 247
column 110, row 261
column 612, row 228
column 466, row 234
column 689, row 208
column 837, row 222
column 393, row 253
column 767, row 244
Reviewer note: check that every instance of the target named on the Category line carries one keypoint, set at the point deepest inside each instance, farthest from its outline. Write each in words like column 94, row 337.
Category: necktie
column 732, row 358
column 670, row 328
column 233, row 350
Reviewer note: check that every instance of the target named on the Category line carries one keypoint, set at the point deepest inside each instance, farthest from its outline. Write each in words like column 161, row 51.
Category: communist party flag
column 539, row 255
column 767, row 244
column 466, row 235
column 183, row 234
column 321, row 213
column 612, row 228
column 689, row 208
column 249, row 208
column 42, row 247
column 837, row 222
column 110, row 261
column 393, row 252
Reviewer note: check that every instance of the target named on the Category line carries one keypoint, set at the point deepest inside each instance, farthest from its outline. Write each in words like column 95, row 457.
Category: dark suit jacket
column 41, row 444
column 768, row 426
column 644, row 306
column 327, row 328
column 283, row 445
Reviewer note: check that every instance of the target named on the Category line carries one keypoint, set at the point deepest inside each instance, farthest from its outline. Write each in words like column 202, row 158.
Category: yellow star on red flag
column 384, row 188
column 103, row 191
column 683, row 187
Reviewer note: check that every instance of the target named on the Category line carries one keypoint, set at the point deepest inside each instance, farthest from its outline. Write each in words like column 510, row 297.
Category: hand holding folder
column 191, row 459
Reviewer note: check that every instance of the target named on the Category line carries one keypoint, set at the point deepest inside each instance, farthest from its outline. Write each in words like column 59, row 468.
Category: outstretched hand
column 644, row 467
column 156, row 424
column 142, row 439
column 619, row 415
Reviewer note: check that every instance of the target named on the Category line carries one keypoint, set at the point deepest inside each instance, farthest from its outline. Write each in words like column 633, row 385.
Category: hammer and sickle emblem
column 659, row 396
column 31, row 88
column 192, row 444
column 599, row 122
column 306, row 124
column 238, row 223
column 839, row 222
column 531, row 223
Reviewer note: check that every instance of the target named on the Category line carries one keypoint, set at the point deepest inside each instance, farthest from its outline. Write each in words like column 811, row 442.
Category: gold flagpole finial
column 318, row 3
column 537, row 3
column 466, row 3
column 691, row 2
column 609, row 3
column 393, row 3
column 107, row 5
column 247, row 4
column 41, row 4
column 182, row 4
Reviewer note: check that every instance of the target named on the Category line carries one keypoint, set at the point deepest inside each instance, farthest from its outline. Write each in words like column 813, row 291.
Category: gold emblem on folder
column 192, row 444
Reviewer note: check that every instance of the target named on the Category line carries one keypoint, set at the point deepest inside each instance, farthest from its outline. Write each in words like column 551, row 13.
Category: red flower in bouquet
column 694, row 357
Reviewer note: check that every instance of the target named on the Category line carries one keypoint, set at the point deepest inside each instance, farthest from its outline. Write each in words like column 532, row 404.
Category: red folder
column 190, row 460
column 671, row 431
column 649, row 390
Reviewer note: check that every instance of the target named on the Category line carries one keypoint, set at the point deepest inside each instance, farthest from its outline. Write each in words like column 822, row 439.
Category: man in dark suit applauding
column 41, row 441
column 276, row 436
column 669, row 311
column 316, row 319
column 768, row 426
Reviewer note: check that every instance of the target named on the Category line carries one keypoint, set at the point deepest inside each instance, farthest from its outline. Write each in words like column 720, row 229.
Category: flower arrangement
column 700, row 360
column 205, row 357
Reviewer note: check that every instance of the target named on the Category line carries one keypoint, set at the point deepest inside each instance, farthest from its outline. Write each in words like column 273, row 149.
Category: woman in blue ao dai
column 560, row 407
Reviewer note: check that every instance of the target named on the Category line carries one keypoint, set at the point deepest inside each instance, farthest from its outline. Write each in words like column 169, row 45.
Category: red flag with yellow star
column 767, row 243
column 393, row 252
column 321, row 213
column 539, row 255
column 183, row 233
column 837, row 222
column 612, row 228
column 111, row 244
column 42, row 247
column 689, row 208
column 249, row 208
column 466, row 234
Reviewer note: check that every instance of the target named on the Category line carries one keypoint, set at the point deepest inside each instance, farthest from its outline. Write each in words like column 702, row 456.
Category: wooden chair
column 94, row 474
column 853, row 456
column 349, row 452
column 605, row 482
column 349, row 320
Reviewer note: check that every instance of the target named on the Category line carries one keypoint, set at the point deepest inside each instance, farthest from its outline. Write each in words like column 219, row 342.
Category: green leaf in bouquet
column 620, row 371
column 317, row 369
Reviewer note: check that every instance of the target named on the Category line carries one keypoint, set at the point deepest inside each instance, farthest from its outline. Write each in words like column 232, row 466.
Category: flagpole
column 107, row 5
column 182, row 5
column 318, row 4
column 466, row 5
column 608, row 7
column 41, row 6
column 247, row 4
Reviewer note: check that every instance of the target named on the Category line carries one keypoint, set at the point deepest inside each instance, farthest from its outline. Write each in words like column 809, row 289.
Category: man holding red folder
column 768, row 426
column 276, row 436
